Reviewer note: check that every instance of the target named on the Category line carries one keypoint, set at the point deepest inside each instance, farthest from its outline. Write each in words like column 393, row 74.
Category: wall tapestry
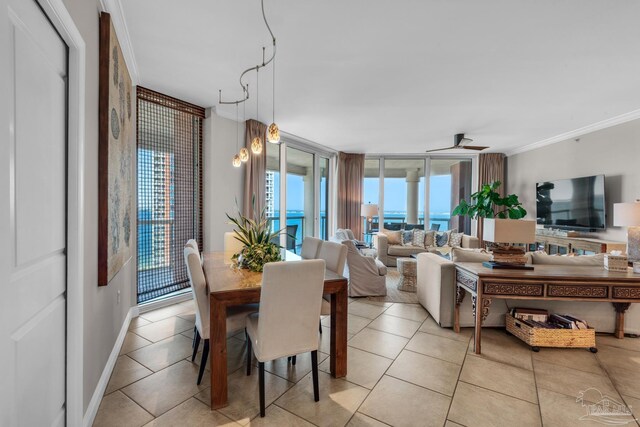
column 115, row 157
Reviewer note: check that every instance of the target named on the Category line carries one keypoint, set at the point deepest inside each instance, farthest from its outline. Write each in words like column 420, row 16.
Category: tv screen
column 576, row 203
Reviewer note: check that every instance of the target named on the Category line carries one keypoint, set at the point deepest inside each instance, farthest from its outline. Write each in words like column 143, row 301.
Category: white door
column 33, row 178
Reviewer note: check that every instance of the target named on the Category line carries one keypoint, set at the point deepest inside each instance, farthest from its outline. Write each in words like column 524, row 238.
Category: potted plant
column 258, row 240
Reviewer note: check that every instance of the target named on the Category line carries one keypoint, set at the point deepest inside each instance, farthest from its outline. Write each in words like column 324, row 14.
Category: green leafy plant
column 257, row 240
column 487, row 203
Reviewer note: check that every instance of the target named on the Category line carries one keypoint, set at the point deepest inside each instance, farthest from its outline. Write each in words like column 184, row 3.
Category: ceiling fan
column 460, row 142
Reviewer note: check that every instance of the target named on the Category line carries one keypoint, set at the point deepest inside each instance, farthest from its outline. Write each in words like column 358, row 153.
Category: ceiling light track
column 256, row 68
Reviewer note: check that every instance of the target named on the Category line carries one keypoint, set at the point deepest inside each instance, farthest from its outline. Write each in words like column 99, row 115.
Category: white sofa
column 389, row 254
column 436, row 293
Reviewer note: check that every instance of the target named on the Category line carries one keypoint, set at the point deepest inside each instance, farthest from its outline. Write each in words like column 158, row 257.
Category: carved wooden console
column 545, row 282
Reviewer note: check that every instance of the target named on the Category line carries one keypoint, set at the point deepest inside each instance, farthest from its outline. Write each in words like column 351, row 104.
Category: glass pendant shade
column 236, row 161
column 273, row 133
column 244, row 154
column 256, row 145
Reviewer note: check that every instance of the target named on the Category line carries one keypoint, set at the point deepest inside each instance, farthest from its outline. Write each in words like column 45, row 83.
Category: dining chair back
column 335, row 256
column 193, row 244
column 310, row 247
column 292, row 232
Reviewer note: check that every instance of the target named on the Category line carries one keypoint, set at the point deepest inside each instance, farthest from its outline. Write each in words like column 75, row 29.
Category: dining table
column 229, row 285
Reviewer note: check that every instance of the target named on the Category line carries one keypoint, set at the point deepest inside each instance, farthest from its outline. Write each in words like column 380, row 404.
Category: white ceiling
column 400, row 76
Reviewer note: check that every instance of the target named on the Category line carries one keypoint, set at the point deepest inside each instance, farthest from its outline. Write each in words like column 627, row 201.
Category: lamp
column 244, row 154
column 368, row 210
column 504, row 232
column 628, row 214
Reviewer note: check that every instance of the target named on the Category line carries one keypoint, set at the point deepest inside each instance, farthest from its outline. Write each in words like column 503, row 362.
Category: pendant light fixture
column 236, row 162
column 256, row 143
column 273, row 133
column 244, row 153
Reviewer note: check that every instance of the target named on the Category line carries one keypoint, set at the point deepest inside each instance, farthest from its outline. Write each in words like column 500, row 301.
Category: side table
column 407, row 270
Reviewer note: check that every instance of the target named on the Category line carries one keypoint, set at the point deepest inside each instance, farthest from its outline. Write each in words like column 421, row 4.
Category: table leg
column 218, row 355
column 621, row 308
column 460, row 293
column 478, row 324
column 338, row 356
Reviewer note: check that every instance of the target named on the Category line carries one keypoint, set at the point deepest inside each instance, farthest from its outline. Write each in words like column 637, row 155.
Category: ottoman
column 407, row 270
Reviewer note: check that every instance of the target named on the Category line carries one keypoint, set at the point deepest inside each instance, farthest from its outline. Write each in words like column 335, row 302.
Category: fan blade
column 441, row 149
column 474, row 147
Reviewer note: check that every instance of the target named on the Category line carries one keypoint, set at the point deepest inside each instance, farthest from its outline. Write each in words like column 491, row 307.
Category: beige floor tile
column 576, row 358
column 395, row 325
column 378, row 342
column 339, row 399
column 189, row 316
column 506, row 379
column 284, row 369
column 236, row 356
column 165, row 389
column 244, row 396
column 192, row 413
column 438, row 347
column 559, row 410
column 627, row 343
column 474, row 406
column 136, row 322
column 363, row 368
column 163, row 353
column 133, row 342
column 503, row 348
column 634, row 405
column 425, row 371
column 164, row 312
column 413, row 312
column 626, row 382
column 362, row 420
column 324, row 340
column 372, row 301
column 431, row 327
column 400, row 403
column 117, row 409
column 157, row 331
column 354, row 323
column 450, row 423
column 275, row 416
column 570, row 381
column 189, row 333
column 618, row 358
column 125, row 372
column 363, row 309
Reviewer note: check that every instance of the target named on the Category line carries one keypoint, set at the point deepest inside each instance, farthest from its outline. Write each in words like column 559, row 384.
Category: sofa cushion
column 404, row 251
column 382, row 269
column 407, row 237
column 469, row 255
column 442, row 239
column 581, row 260
column 455, row 240
column 429, row 238
column 418, row 238
column 393, row 237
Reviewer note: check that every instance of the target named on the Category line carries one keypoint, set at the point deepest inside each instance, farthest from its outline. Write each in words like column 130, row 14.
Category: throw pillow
column 407, row 237
column 429, row 239
column 455, row 240
column 418, row 238
column 393, row 237
column 442, row 239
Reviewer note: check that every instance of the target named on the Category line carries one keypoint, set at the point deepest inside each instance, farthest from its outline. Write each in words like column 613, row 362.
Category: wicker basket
column 542, row 337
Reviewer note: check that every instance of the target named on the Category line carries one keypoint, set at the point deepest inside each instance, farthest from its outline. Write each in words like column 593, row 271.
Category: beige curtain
column 255, row 170
column 490, row 169
column 350, row 187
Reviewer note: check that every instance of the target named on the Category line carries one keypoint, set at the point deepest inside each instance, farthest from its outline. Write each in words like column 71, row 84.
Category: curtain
column 255, row 170
column 350, row 188
column 490, row 169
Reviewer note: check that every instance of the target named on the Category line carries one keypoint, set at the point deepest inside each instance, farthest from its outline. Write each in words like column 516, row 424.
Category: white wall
column 103, row 315
column 223, row 183
column 614, row 152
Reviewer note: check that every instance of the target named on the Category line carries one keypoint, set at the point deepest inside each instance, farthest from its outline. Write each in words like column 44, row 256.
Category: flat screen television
column 572, row 204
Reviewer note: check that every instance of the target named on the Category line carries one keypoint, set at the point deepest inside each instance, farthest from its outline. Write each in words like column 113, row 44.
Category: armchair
column 367, row 275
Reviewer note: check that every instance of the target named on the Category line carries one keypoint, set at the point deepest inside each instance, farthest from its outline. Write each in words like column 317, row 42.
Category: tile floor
column 404, row 370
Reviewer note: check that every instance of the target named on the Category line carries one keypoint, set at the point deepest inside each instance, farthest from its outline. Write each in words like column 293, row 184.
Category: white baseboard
column 94, row 404
column 149, row 306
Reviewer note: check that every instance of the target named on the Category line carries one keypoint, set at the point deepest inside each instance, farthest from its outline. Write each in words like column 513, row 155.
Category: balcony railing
column 299, row 220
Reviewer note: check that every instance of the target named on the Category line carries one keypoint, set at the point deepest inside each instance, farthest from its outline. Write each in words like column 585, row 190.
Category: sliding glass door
column 300, row 197
column 450, row 181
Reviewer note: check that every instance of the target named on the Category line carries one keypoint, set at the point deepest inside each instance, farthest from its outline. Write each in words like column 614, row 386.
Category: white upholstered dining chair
column 310, row 247
column 287, row 320
column 236, row 315
column 335, row 256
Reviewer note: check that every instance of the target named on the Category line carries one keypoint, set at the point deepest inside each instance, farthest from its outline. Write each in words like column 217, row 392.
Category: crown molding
column 114, row 8
column 623, row 118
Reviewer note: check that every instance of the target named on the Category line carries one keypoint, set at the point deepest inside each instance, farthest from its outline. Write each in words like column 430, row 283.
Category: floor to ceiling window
column 449, row 182
column 169, row 154
column 323, row 170
column 272, row 184
column 403, row 193
column 300, row 197
column 371, row 193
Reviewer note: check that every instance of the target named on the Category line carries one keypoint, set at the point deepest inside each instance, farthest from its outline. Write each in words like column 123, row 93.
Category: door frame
column 60, row 18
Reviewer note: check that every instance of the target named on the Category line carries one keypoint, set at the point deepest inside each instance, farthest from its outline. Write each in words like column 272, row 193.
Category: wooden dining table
column 229, row 286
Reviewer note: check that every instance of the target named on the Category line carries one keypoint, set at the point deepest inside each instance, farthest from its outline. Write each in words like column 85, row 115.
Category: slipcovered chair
column 287, row 320
column 236, row 315
column 367, row 275
column 231, row 245
column 310, row 247
column 335, row 256
column 192, row 243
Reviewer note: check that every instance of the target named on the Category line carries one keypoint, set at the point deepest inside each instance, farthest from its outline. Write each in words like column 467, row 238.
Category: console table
column 580, row 245
column 545, row 282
